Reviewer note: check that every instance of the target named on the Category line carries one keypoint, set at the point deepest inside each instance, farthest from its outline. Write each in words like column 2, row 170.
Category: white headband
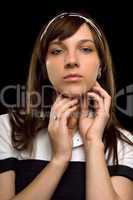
column 71, row 14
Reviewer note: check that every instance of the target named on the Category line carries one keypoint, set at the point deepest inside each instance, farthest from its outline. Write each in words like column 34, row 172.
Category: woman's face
column 76, row 55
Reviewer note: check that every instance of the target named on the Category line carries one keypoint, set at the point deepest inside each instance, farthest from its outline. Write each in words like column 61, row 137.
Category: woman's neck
column 73, row 121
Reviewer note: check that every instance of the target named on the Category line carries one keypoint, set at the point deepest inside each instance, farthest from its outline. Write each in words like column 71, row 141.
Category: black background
column 21, row 22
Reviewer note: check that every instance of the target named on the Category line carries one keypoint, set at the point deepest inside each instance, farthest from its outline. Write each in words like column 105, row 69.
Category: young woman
column 67, row 142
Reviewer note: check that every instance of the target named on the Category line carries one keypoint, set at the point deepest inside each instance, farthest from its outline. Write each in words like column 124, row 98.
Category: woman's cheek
column 94, row 75
column 91, row 79
column 95, row 69
column 53, row 76
column 51, row 72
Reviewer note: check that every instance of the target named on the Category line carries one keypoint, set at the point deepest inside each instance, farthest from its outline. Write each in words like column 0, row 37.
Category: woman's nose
column 71, row 60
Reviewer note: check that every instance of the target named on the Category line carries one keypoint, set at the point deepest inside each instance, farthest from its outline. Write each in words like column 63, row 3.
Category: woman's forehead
column 82, row 35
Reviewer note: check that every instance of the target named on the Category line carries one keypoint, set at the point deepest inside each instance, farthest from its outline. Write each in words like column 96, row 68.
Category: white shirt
column 43, row 150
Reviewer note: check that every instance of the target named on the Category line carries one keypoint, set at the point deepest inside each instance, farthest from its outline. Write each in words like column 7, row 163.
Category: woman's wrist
column 94, row 143
column 60, row 161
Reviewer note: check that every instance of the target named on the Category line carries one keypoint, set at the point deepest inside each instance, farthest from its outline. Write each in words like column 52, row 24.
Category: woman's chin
column 72, row 94
column 74, row 90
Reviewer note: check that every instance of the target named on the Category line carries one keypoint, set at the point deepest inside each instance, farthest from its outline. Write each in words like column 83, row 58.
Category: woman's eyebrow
column 86, row 40
column 56, row 43
column 82, row 41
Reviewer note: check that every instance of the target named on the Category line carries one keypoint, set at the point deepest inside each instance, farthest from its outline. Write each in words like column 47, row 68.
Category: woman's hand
column 93, row 128
column 60, row 134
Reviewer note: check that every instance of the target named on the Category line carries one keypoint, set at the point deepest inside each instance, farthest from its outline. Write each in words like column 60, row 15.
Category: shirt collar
column 77, row 140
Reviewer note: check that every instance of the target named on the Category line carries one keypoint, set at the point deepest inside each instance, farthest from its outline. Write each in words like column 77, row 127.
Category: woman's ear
column 98, row 65
column 99, row 71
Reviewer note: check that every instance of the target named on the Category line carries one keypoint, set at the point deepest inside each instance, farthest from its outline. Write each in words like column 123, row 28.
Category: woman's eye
column 86, row 50
column 56, row 51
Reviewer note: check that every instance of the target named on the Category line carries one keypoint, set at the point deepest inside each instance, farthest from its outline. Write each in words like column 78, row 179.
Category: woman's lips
column 73, row 77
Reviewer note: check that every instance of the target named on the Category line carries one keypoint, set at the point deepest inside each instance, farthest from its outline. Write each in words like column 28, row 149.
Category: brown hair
column 25, row 126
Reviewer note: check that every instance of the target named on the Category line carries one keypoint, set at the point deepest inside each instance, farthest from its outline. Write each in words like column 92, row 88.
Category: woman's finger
column 84, row 104
column 70, row 103
column 99, row 100
column 66, row 114
column 106, row 97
